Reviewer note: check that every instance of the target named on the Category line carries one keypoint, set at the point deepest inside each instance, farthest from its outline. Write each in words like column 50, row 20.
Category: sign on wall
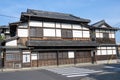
column 71, row 54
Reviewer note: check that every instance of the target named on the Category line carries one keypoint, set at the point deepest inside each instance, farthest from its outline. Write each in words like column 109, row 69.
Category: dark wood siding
column 83, row 56
column 105, row 35
column 44, row 59
column 36, row 32
column 11, row 59
column 65, row 33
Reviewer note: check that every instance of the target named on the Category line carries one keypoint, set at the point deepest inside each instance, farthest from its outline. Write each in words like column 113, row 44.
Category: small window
column 66, row 33
column 36, row 32
column 105, row 35
column 12, row 57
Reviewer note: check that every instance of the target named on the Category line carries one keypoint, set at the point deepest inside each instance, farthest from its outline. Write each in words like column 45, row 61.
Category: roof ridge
column 48, row 12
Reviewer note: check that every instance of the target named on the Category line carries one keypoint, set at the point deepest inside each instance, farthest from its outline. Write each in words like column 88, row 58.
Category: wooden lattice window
column 66, row 33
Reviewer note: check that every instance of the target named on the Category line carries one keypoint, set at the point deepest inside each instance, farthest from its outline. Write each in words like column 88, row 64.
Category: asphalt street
column 94, row 72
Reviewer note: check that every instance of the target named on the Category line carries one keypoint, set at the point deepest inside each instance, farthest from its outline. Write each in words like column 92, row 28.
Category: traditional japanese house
column 44, row 38
column 104, row 34
column 4, row 34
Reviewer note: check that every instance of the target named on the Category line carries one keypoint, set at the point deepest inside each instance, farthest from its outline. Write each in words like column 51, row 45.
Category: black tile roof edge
column 29, row 12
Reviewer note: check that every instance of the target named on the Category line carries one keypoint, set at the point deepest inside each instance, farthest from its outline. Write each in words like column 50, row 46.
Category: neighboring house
column 119, row 50
column 105, row 36
column 44, row 38
column 4, row 34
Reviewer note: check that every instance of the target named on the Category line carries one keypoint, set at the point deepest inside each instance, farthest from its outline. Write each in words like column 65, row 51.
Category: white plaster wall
column 67, row 26
column 77, row 33
column 71, row 54
column 48, row 24
column 77, row 27
column 103, row 26
column 35, row 23
column 109, row 52
column 104, row 52
column 86, row 34
column 84, row 28
column 98, row 52
column 22, row 32
column 11, row 43
column 33, row 56
column 58, row 25
column 49, row 32
column 58, row 32
column 97, row 35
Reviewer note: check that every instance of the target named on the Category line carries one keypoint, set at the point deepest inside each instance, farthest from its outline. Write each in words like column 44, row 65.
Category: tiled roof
column 4, row 26
column 99, row 24
column 54, row 15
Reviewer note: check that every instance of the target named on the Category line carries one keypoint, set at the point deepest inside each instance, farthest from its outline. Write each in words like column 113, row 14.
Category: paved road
column 96, row 72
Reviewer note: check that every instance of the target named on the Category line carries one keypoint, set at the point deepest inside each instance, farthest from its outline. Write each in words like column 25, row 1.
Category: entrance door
column 26, row 59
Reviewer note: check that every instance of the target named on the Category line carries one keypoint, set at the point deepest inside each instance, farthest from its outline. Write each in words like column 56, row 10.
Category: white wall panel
column 86, row 34
column 112, row 35
column 101, row 35
column 26, row 52
column 67, row 26
column 109, row 47
column 114, row 51
column 103, row 47
column 109, row 52
column 22, row 32
column 58, row 32
column 71, row 54
column 35, row 23
column 97, row 35
column 84, row 28
column 48, row 24
column 98, row 47
column 11, row 43
column 33, row 56
column 58, row 25
column 98, row 52
column 104, row 52
column 49, row 32
column 103, row 26
column 97, row 31
column 77, row 33
column 113, row 47
column 77, row 27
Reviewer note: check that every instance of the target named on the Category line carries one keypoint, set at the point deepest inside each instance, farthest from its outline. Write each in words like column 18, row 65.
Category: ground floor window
column 13, row 57
column 106, row 51
column 47, row 55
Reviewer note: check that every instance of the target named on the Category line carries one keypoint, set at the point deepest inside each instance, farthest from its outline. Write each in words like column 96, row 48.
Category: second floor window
column 105, row 35
column 36, row 32
column 66, row 33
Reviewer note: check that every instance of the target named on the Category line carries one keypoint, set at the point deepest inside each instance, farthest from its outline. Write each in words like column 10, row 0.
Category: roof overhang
column 61, row 43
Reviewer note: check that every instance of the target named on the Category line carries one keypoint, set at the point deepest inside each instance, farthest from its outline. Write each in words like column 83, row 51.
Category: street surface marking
column 72, row 71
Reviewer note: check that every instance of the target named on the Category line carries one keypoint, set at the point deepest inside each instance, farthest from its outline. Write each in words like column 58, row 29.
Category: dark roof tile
column 54, row 15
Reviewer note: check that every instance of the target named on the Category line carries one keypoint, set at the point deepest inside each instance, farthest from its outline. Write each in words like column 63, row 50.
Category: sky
column 95, row 10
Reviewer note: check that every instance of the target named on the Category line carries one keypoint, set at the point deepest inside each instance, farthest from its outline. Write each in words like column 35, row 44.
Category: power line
column 8, row 16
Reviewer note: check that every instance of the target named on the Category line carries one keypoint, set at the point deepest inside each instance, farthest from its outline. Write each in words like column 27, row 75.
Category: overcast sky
column 95, row 10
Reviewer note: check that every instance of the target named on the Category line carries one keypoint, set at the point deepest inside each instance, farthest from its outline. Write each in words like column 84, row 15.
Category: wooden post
column 57, row 58
column 75, row 58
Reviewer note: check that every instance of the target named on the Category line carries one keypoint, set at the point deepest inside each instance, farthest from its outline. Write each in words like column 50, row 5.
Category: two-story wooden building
column 44, row 38
column 104, row 34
